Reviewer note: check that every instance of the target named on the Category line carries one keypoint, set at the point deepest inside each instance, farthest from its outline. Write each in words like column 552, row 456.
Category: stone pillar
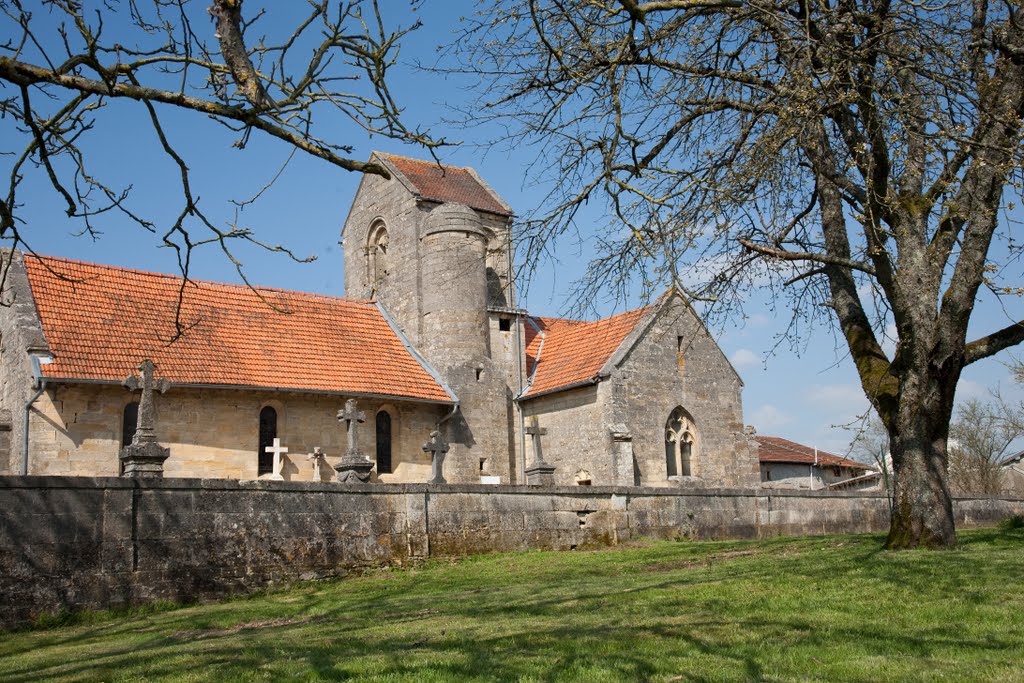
column 622, row 456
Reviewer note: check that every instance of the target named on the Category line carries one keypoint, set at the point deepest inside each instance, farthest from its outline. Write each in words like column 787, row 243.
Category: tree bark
column 922, row 514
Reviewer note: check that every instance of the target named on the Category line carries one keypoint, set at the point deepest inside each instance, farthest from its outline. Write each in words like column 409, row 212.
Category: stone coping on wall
column 65, row 482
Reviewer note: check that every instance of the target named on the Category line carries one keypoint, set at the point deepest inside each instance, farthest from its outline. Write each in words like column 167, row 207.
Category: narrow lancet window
column 129, row 423
column 268, row 432
column 383, row 442
column 377, row 244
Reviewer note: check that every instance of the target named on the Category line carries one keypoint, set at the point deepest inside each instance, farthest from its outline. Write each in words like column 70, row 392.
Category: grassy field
column 831, row 609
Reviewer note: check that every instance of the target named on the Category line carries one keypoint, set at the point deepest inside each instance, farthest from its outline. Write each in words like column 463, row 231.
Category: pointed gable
column 101, row 322
column 442, row 183
column 564, row 353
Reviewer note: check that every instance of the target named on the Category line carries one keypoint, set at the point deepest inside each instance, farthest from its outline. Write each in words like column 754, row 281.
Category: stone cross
column 146, row 430
column 536, row 431
column 277, row 450
column 355, row 466
column 351, row 416
column 437, row 447
column 144, row 457
column 539, row 473
column 317, row 456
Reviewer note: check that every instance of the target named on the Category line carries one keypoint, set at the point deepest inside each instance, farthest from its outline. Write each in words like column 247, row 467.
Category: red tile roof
column 573, row 351
column 447, row 184
column 774, row 449
column 104, row 323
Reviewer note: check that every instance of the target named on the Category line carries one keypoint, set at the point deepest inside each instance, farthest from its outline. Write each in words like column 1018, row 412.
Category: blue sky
column 804, row 394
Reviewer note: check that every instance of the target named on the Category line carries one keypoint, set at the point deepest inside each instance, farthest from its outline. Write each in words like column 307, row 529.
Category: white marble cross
column 278, row 450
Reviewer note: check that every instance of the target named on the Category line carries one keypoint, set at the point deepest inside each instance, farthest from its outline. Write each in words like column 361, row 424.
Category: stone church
column 429, row 340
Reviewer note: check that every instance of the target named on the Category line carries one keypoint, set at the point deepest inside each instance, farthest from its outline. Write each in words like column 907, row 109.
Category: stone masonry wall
column 215, row 433
column 652, row 380
column 77, row 542
column 389, row 201
column 577, row 438
column 20, row 333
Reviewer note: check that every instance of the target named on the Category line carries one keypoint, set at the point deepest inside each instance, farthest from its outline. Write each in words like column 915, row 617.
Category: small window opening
column 479, row 373
column 483, row 464
column 505, row 324
column 129, row 423
column 679, row 352
column 268, row 432
column 383, row 442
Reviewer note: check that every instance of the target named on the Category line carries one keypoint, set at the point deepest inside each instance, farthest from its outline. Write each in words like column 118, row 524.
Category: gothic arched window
column 129, row 423
column 383, row 442
column 680, row 444
column 377, row 243
column 268, row 432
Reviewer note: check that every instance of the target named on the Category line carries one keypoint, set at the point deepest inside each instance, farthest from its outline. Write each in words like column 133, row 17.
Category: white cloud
column 758, row 320
column 767, row 418
column 744, row 358
column 847, row 399
column 968, row 388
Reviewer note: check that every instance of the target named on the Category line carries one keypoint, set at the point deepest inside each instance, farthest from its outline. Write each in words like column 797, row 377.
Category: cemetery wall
column 78, row 542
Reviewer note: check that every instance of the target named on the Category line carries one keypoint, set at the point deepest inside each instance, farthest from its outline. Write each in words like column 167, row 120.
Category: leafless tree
column 871, row 445
column 857, row 153
column 980, row 438
column 290, row 71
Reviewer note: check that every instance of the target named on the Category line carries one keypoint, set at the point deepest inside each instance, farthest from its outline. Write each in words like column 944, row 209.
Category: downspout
column 39, row 383
column 455, row 407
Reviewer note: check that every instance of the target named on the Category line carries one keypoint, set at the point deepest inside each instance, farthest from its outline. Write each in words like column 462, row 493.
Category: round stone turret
column 453, row 250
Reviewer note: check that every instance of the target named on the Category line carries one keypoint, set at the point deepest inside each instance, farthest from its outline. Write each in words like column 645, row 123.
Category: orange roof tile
column 102, row 324
column 447, row 184
column 774, row 449
column 573, row 351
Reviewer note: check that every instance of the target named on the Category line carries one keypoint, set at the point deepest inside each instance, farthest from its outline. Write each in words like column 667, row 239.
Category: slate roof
column 444, row 183
column 573, row 351
column 102, row 324
column 774, row 449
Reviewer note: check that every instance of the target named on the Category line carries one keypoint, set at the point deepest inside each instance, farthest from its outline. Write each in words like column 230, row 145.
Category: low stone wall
column 79, row 542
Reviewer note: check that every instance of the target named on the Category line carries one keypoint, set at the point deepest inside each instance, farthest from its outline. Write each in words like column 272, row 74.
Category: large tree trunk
column 922, row 512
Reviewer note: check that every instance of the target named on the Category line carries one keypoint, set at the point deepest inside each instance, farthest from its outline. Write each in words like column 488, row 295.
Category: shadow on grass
column 566, row 617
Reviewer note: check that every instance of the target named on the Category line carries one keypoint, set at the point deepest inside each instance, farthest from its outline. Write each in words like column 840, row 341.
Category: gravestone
column 317, row 456
column 277, row 450
column 437, row 447
column 355, row 465
column 539, row 473
column 144, row 457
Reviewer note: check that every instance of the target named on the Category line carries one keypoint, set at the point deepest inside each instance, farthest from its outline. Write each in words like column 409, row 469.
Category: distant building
column 789, row 465
column 1013, row 474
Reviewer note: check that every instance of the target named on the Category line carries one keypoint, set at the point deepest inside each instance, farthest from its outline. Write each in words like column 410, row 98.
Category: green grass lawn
column 832, row 609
